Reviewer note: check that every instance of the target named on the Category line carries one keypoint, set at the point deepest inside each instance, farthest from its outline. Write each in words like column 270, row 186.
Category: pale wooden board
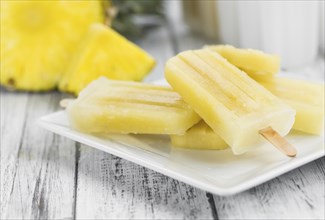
column 113, row 188
column 13, row 111
column 296, row 195
column 37, row 167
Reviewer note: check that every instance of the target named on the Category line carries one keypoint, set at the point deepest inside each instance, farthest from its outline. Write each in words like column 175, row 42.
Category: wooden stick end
column 278, row 141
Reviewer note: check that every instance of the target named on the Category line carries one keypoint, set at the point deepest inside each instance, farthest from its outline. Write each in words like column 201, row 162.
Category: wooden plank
column 296, row 195
column 113, row 188
column 13, row 111
column 37, row 167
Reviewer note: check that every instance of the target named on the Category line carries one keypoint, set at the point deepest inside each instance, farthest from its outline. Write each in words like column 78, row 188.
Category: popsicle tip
column 278, row 141
column 65, row 102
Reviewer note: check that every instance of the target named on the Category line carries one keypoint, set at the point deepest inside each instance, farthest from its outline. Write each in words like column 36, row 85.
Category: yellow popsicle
column 306, row 98
column 254, row 62
column 130, row 107
column 235, row 106
column 200, row 136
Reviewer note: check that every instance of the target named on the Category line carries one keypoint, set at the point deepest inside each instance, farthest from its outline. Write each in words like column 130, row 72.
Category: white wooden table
column 45, row 176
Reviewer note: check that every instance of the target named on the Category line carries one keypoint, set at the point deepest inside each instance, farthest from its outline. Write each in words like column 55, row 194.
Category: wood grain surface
column 45, row 176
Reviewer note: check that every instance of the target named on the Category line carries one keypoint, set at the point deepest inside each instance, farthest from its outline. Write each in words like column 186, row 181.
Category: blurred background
column 292, row 29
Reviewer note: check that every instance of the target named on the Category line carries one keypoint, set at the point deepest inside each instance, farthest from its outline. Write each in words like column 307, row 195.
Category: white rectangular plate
column 218, row 172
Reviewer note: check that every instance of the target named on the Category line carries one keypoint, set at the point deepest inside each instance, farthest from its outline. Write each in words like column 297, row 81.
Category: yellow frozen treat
column 130, row 107
column 38, row 37
column 235, row 106
column 200, row 136
column 254, row 62
column 305, row 97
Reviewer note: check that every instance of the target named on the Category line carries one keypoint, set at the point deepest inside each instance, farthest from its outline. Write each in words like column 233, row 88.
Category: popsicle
column 254, row 62
column 130, row 107
column 235, row 106
column 200, row 136
column 306, row 98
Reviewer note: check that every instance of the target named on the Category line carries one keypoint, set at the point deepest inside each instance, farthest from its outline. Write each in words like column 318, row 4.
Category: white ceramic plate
column 218, row 172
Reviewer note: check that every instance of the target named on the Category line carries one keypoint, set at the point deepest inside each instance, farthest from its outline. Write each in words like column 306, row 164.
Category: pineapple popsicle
column 306, row 98
column 254, row 62
column 230, row 102
column 200, row 136
column 130, row 107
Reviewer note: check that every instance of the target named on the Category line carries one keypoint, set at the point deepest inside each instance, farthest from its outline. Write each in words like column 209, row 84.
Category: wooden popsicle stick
column 65, row 102
column 278, row 141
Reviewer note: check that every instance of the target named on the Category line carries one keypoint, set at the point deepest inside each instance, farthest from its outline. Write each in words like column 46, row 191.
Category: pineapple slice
column 104, row 52
column 38, row 38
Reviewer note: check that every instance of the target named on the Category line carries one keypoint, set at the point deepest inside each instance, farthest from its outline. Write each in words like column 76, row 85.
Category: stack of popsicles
column 234, row 93
column 306, row 98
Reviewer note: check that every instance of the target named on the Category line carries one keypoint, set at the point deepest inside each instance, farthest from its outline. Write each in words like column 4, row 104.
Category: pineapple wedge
column 104, row 52
column 39, row 37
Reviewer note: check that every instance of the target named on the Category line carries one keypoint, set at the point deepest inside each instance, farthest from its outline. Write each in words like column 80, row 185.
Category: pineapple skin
column 38, row 39
column 104, row 52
